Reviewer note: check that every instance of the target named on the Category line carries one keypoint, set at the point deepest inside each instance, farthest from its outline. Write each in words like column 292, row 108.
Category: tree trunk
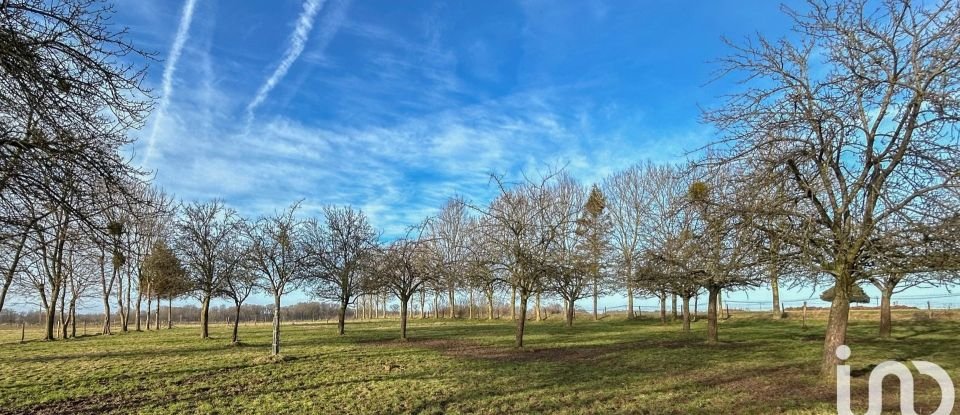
column 712, row 313
column 629, row 269
column 436, row 305
column 696, row 307
column 536, row 306
column 236, row 325
column 149, row 309
column 513, row 305
column 403, row 317
column 774, row 271
column 886, row 324
column 521, row 322
column 596, row 295
column 471, row 304
column 836, row 333
column 673, row 305
column 123, row 319
column 139, row 303
column 342, row 317
column 775, row 287
column 663, row 307
column 64, row 315
column 106, row 296
column 489, row 305
column 452, row 295
column 423, row 299
column 686, row 313
column 73, row 317
column 571, row 312
column 205, row 317
column 275, row 347
column 169, row 314
column 51, row 309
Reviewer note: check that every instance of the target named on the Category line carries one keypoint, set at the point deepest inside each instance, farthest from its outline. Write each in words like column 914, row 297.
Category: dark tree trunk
column 836, row 333
column 236, row 325
column 51, row 309
column 513, row 306
column 571, row 312
column 73, row 317
column 149, row 309
column 686, row 313
column 169, row 314
column 403, row 317
column 64, row 314
column 629, row 266
column 712, row 313
column 886, row 324
column 521, row 322
column 123, row 317
column 275, row 347
column 205, row 317
column 341, row 317
column 139, row 303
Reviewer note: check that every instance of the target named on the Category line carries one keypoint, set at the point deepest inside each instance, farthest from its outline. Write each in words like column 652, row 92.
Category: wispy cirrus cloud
column 170, row 67
column 297, row 43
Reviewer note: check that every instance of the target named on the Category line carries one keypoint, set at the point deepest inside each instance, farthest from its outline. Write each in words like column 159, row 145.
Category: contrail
column 183, row 32
column 297, row 42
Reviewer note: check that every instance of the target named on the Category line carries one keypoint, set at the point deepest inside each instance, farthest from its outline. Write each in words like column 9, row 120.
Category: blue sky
column 395, row 106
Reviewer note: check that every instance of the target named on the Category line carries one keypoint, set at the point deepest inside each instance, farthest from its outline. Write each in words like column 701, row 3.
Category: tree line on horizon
column 836, row 163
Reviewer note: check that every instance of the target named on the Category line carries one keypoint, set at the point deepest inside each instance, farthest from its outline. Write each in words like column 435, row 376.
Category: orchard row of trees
column 838, row 164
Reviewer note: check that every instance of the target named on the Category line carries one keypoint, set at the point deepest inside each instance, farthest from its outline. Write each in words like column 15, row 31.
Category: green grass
column 610, row 366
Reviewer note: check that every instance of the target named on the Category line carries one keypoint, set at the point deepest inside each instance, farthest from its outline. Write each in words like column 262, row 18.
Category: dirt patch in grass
column 94, row 404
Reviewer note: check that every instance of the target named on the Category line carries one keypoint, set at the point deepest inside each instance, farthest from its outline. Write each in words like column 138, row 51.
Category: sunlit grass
column 610, row 366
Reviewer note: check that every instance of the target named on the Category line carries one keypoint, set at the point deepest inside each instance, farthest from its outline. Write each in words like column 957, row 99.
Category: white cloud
column 183, row 33
column 298, row 41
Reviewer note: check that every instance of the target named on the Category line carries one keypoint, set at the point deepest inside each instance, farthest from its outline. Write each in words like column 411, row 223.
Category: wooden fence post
column 23, row 331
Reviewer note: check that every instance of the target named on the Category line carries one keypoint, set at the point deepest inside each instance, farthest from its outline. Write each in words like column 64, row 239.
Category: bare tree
column 726, row 250
column 910, row 254
column 68, row 96
column 207, row 236
column 570, row 260
column 626, row 206
column 406, row 267
column 449, row 235
column 340, row 247
column 279, row 259
column 855, row 117
column 523, row 225
column 238, row 285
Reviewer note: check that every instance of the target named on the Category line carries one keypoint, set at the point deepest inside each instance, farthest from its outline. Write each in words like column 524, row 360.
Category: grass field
column 610, row 366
